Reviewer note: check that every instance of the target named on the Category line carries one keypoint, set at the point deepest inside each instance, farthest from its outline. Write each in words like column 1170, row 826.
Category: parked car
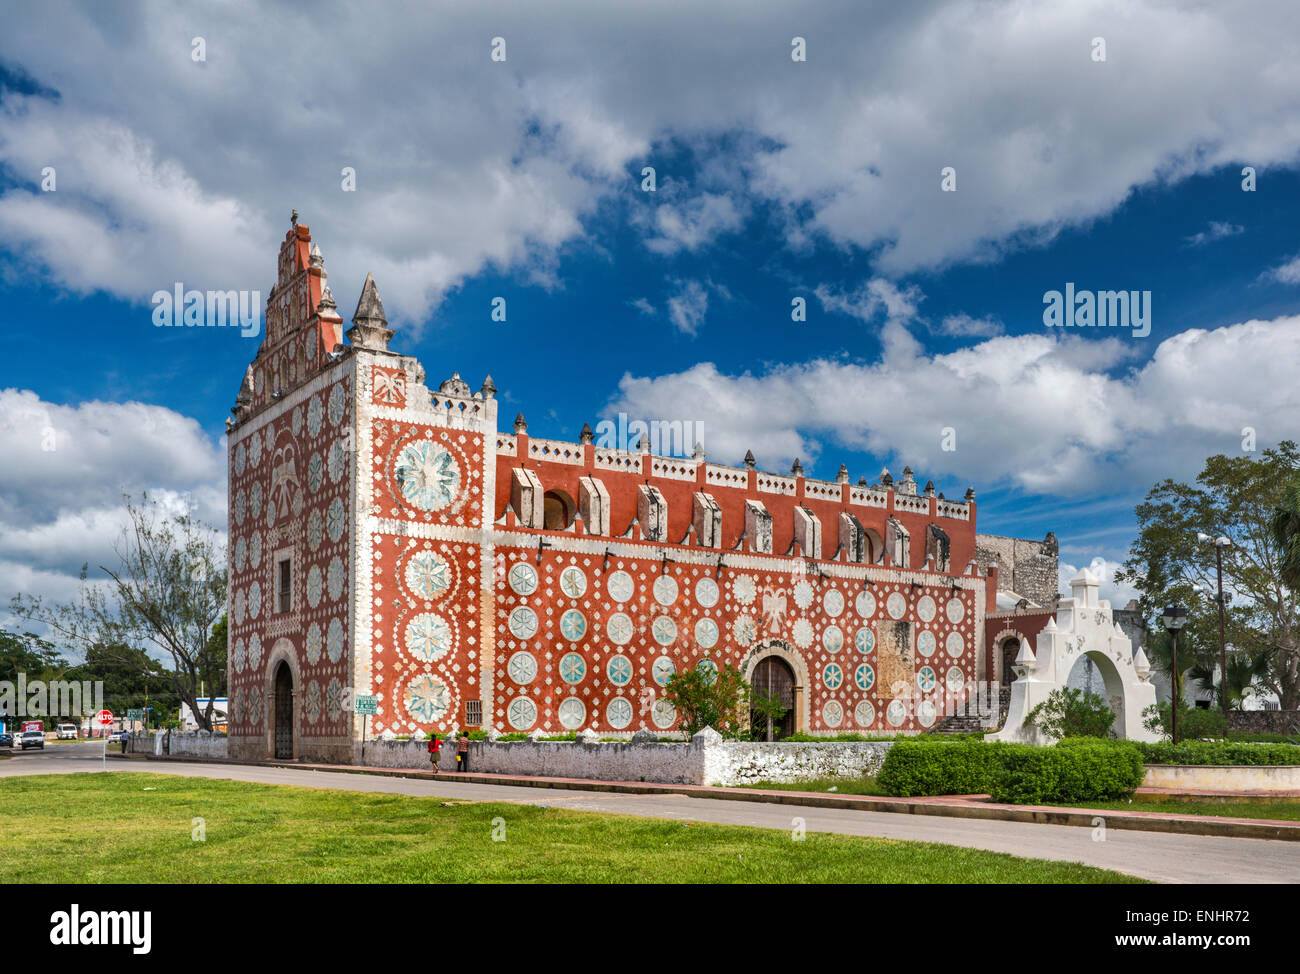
column 116, row 736
column 33, row 739
column 6, row 739
column 67, row 732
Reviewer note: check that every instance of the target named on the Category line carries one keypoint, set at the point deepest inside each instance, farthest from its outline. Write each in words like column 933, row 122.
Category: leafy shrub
column 1194, row 723
column 1219, row 753
column 1075, row 770
column 1072, row 713
column 925, row 766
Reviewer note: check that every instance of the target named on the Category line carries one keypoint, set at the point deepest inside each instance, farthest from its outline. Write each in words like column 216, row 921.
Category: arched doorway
column 1010, row 650
column 1095, row 673
column 773, row 679
column 283, row 710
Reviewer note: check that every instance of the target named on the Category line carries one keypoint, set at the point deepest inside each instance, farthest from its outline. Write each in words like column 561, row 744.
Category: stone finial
column 586, row 436
column 1141, row 665
column 326, row 307
column 749, row 459
column 643, row 444
column 369, row 323
column 455, row 386
column 245, row 395
column 797, row 468
column 521, row 424
column 842, row 477
column 493, row 734
column 645, row 737
column 534, row 735
column 862, row 482
column 588, row 736
column 293, row 219
column 488, row 389
column 907, row 473
column 698, row 452
column 419, row 735
column 706, row 737
column 316, row 259
column 929, row 488
column 970, row 494
column 886, row 478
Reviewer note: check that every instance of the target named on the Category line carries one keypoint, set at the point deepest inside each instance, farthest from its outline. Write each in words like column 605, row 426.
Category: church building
column 389, row 538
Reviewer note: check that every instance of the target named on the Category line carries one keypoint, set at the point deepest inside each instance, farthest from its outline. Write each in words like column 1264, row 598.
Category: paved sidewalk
column 953, row 806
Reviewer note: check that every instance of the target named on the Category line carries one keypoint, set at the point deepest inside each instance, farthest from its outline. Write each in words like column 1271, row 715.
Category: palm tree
column 1245, row 669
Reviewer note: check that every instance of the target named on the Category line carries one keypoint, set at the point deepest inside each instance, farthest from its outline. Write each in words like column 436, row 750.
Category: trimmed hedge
column 1075, row 770
column 926, row 766
column 1215, row 753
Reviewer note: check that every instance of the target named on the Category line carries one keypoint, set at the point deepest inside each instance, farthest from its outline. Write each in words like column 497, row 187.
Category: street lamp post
column 1175, row 618
column 1219, row 544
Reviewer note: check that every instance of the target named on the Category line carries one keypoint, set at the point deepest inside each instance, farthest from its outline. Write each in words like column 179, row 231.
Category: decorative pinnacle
column 521, row 424
column 698, row 452
column 970, row 493
column 797, row 468
column 842, row 477
column 293, row 220
column 489, row 388
column 316, row 258
column 586, row 436
column 929, row 488
column 749, row 459
column 369, row 323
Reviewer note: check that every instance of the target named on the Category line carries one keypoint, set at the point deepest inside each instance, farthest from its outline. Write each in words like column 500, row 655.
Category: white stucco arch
column 1084, row 626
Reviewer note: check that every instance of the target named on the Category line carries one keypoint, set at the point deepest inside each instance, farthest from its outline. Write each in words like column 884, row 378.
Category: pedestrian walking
column 126, row 740
column 435, row 751
column 462, row 752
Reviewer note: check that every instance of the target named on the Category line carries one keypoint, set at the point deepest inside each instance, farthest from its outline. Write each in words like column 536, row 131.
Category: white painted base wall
column 1226, row 778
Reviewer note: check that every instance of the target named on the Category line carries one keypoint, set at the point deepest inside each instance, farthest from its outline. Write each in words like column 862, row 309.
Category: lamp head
column 1174, row 618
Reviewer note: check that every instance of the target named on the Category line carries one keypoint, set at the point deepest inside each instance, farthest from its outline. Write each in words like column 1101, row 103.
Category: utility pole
column 1220, row 543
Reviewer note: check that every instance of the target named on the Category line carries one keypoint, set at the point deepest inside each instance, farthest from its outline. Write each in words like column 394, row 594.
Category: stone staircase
column 978, row 716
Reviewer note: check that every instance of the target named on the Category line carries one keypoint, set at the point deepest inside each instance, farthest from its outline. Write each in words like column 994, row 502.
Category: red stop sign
column 104, row 718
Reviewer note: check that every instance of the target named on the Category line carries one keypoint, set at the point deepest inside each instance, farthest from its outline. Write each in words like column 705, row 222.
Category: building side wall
column 1028, row 568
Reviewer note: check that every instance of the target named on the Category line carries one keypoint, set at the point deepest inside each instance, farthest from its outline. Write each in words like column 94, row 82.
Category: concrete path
column 1158, row 856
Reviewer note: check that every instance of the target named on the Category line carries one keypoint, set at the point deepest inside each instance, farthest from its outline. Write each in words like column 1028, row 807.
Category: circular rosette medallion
column 428, row 575
column 865, row 603
column 896, row 605
column 864, row 676
column 664, row 714
column 864, row 640
column 573, row 712
column 334, row 520
column 926, row 712
column 523, row 578
column 955, row 644
column 833, row 603
column 803, row 633
column 926, row 609
column 832, row 676
column 925, row 643
column 522, row 667
column 573, row 624
column 803, row 594
column 619, row 586
column 744, row 629
column 663, row 670
column 926, row 680
column 955, row 679
column 832, row 639
column 743, row 589
column 314, row 642
column 573, row 582
column 428, row 637
column 618, row 713
column 522, row 713
column 572, row 668
column 832, row 714
column 619, row 670
column 864, row 715
column 955, row 610
column 664, row 630
column 706, row 633
column 523, row 623
column 709, row 669
column 895, row 713
column 427, row 699
column 665, row 590
column 619, row 629
column 427, row 475
column 706, row 592
column 313, row 703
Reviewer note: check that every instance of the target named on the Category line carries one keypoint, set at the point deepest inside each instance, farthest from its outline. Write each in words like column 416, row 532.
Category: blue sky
column 775, row 180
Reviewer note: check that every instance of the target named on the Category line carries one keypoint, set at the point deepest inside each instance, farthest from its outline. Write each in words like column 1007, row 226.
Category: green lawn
column 133, row 827
column 1277, row 808
column 841, row 786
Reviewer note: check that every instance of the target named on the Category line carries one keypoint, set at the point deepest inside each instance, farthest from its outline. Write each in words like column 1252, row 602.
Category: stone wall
column 1028, row 568
column 1264, row 721
column 199, row 744
column 706, row 759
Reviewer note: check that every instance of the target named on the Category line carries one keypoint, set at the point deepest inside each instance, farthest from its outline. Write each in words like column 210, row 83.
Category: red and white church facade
column 387, row 538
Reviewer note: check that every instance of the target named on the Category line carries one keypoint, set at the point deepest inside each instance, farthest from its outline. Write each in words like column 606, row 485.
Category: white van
column 66, row 732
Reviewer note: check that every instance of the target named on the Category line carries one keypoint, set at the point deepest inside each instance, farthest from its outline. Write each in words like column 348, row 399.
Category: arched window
column 558, row 511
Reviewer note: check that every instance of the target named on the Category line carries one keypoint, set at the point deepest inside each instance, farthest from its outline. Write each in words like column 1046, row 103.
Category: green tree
column 705, row 697
column 1238, row 497
column 1072, row 713
column 165, row 596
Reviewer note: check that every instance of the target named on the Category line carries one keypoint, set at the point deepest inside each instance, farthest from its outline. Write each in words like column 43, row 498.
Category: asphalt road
column 1153, row 855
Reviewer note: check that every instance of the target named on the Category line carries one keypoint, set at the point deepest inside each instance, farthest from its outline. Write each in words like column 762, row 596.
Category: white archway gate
column 1084, row 626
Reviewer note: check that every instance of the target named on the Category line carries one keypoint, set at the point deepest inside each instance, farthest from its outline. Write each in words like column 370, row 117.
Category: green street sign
column 366, row 705
column 135, row 714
